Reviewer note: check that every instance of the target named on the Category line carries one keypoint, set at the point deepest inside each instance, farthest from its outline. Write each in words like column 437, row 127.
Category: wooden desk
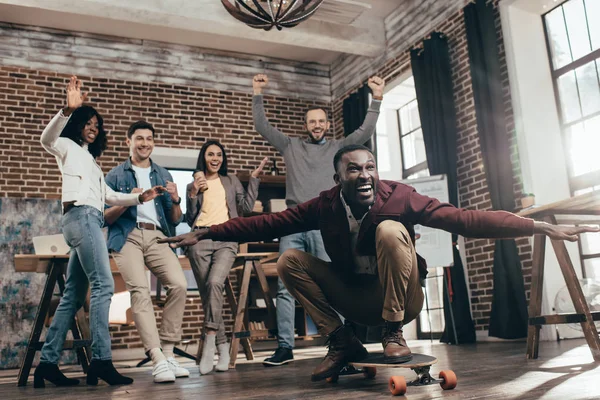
column 581, row 207
column 55, row 266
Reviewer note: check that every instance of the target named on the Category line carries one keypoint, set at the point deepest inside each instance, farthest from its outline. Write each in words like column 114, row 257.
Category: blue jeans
column 88, row 265
column 309, row 242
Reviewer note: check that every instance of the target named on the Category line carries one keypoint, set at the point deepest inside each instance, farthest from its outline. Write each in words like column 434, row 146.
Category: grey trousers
column 211, row 262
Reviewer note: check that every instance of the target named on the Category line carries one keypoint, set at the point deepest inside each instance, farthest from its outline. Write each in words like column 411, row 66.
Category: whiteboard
column 434, row 245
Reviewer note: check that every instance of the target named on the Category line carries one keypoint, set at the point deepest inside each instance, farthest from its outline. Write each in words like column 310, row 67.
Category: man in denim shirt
column 132, row 240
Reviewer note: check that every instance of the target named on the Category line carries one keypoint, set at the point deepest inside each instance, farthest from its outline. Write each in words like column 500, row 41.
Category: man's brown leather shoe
column 344, row 347
column 395, row 349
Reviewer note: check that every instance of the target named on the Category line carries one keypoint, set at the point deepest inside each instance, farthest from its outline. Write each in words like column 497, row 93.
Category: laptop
column 51, row 244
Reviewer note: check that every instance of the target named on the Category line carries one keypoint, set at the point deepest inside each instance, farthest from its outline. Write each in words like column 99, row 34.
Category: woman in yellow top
column 213, row 198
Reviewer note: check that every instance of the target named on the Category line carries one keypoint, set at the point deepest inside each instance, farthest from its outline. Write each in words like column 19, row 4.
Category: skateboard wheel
column 332, row 379
column 397, row 385
column 448, row 378
column 369, row 372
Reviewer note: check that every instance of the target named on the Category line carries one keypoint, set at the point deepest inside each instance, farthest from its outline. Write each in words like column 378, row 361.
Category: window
column 573, row 42
column 401, row 155
column 400, row 145
column 574, row 48
column 181, row 177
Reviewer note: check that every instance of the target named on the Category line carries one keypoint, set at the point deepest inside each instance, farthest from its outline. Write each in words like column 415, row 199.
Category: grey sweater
column 309, row 166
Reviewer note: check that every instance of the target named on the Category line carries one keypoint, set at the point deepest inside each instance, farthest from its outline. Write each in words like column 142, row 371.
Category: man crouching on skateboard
column 368, row 231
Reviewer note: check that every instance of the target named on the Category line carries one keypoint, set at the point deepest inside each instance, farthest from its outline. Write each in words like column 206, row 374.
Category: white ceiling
column 339, row 27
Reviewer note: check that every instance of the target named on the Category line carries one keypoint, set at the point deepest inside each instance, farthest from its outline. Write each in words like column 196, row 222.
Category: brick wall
column 184, row 116
column 472, row 184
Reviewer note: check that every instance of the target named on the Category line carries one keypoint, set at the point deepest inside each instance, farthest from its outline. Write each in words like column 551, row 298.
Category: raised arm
column 275, row 137
column 367, row 129
column 245, row 199
column 193, row 197
column 50, row 136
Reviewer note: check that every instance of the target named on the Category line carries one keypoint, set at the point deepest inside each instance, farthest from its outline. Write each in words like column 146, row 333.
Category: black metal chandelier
column 266, row 14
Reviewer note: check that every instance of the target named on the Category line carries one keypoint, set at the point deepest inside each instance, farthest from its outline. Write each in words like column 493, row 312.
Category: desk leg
column 264, row 285
column 38, row 324
column 240, row 312
column 233, row 304
column 581, row 306
column 535, row 299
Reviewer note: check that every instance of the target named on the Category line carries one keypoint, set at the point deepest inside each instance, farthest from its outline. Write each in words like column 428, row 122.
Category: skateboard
column 420, row 363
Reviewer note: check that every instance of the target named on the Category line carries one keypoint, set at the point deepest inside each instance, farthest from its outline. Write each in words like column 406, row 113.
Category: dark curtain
column 354, row 112
column 509, row 317
column 435, row 97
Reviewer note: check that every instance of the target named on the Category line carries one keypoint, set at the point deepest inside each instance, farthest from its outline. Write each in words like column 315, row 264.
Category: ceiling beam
column 202, row 23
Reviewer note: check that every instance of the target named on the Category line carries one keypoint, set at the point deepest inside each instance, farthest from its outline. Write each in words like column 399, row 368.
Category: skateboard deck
column 420, row 364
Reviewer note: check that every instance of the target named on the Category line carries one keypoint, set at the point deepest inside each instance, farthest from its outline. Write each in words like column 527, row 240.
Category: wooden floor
column 565, row 370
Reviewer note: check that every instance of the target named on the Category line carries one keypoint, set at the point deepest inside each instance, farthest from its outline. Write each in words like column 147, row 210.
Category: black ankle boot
column 105, row 370
column 50, row 372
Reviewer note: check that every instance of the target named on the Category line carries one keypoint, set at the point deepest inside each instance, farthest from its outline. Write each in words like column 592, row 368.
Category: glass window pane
column 413, row 149
column 404, row 120
column 590, row 243
column 589, row 91
column 592, row 10
column 592, row 270
column 421, row 174
column 569, row 97
column 577, row 28
column 557, row 37
column 437, row 321
column 583, row 141
column 415, row 119
column 181, row 178
column 383, row 154
column 434, row 287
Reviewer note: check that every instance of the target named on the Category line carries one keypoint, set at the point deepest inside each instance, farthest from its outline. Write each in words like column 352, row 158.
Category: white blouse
column 82, row 178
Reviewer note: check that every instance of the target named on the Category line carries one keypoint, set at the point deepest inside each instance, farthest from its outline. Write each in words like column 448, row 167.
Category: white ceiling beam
column 199, row 22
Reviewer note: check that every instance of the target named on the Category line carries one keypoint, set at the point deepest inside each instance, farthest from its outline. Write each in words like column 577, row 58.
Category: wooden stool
column 246, row 262
column 251, row 261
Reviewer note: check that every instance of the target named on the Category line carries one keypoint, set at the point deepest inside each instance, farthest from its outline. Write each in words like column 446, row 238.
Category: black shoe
column 281, row 356
column 105, row 370
column 50, row 372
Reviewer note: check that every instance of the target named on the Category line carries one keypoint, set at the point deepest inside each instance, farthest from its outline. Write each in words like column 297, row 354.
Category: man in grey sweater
column 309, row 172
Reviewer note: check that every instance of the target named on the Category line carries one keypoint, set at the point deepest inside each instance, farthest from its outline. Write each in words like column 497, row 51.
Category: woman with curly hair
column 76, row 137
column 213, row 198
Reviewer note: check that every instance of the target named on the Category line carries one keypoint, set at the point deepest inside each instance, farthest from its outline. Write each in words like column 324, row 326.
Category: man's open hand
column 187, row 239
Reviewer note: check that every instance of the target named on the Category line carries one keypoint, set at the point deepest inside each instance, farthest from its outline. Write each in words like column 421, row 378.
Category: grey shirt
column 309, row 166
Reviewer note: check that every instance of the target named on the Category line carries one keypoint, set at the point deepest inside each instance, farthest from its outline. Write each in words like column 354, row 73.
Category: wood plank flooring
column 498, row 370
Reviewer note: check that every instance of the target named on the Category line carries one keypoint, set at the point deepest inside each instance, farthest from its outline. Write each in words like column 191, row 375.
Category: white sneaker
column 223, row 363
column 208, row 355
column 162, row 373
column 177, row 369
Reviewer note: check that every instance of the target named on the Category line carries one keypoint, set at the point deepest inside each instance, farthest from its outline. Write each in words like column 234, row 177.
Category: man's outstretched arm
column 485, row 224
column 303, row 218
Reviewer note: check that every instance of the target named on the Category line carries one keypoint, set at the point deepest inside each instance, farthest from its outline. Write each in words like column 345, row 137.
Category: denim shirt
column 122, row 179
